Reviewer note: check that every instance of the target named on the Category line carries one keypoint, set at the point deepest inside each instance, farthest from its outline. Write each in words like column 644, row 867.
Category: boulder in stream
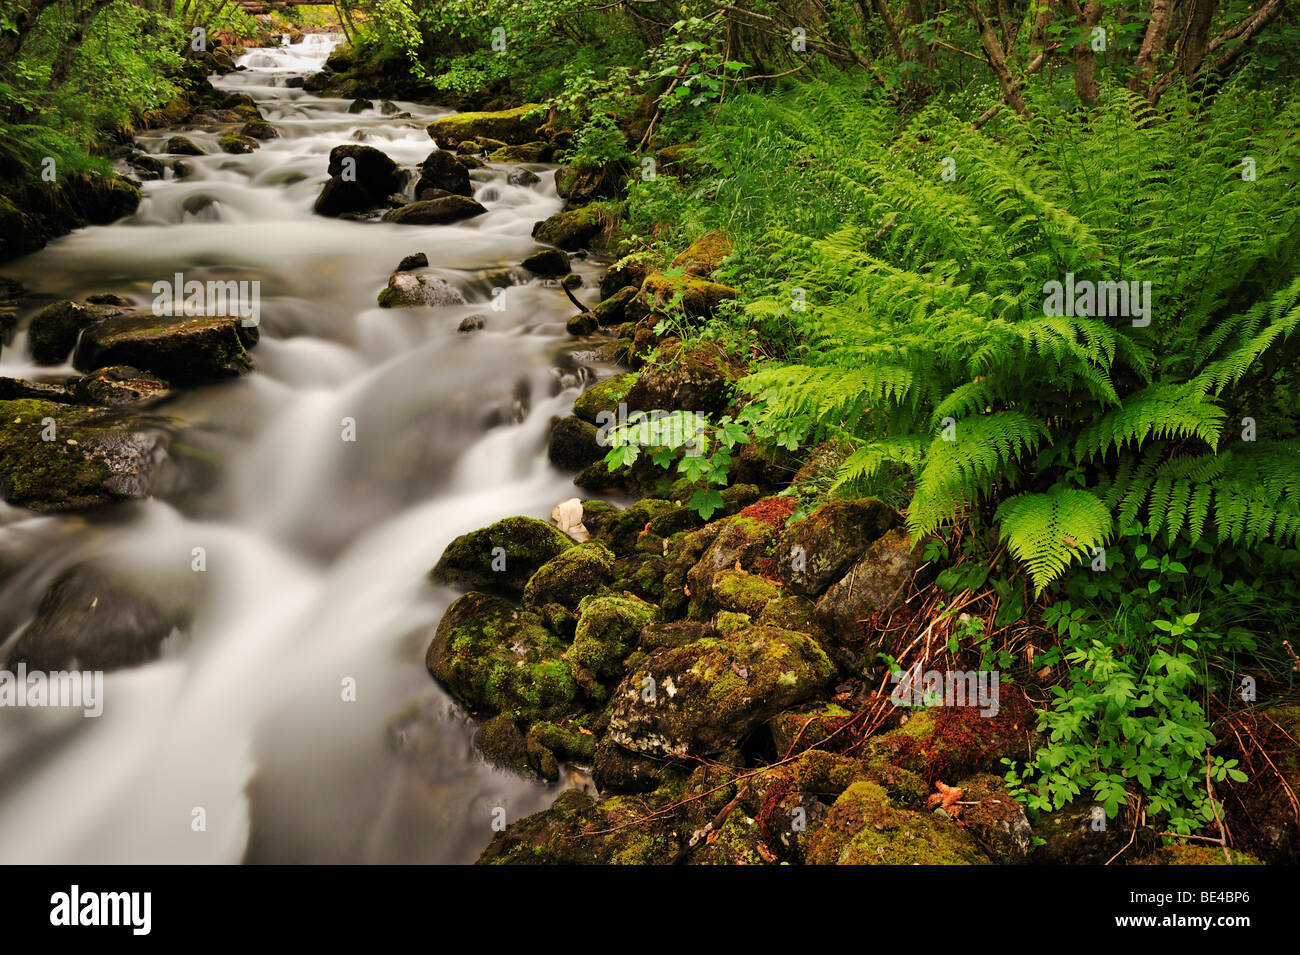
column 57, row 457
column 501, row 557
column 54, row 329
column 442, row 211
column 361, row 178
column 407, row 290
column 443, row 170
column 96, row 618
column 184, row 350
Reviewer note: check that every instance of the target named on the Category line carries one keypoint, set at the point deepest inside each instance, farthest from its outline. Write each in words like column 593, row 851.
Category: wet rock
column 145, row 166
column 525, row 152
column 389, row 108
column 511, row 126
column 56, row 457
column 584, row 323
column 863, row 828
column 416, row 260
column 408, row 290
column 573, row 443
column 11, row 388
column 54, row 329
column 97, row 618
column 568, row 577
column 108, row 298
column 947, row 743
column 817, row 550
column 501, row 557
column 497, row 658
column 874, row 584
column 295, row 82
column 359, row 106
column 608, row 630
column 180, row 349
column 603, row 398
column 443, row 170
column 184, row 146
column 628, row 272
column 259, row 129
column 500, row 740
column 522, row 177
column 557, row 835
column 613, row 310
column 471, row 323
column 585, row 184
column 698, row 379
column 709, row 695
column 571, row 230
column 547, row 262
column 10, row 288
column 362, row 177
column 442, row 211
column 118, row 386
column 237, row 144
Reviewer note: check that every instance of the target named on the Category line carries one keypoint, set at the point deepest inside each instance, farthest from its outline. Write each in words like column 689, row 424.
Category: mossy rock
column 661, row 634
column 641, row 574
column 184, row 146
column 500, row 740
column 699, row 378
column 259, row 129
column 684, row 552
column 711, row 694
column 609, row 628
column 697, row 297
column 508, row 126
column 864, row 828
column 444, row 170
column 92, row 457
column 603, row 398
column 570, row 230
column 806, row 727
column 572, row 444
column 995, row 820
column 498, row 659
column 947, row 743
column 553, row 262
column 613, row 310
column 742, row 592
column 570, row 576
column 740, row 541
column 790, row 613
column 566, row 739
column 1184, row 854
column 817, row 550
column 184, row 350
column 501, row 557
column 237, row 144
column 704, row 256
column 524, row 152
column 727, row 622
column 623, row 532
column 118, row 386
column 556, row 836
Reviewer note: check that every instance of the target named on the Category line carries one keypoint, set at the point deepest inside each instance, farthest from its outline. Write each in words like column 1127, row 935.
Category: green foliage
column 908, row 267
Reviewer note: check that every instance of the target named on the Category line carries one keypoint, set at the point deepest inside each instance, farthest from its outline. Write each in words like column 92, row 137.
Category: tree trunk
column 1153, row 44
column 1009, row 85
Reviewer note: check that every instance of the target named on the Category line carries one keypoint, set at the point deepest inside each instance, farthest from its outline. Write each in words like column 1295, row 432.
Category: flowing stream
column 316, row 546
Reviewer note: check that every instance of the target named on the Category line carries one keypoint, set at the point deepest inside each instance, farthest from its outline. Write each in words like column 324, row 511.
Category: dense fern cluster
column 919, row 331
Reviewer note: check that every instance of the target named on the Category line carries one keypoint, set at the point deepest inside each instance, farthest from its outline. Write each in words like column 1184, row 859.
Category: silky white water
column 316, row 546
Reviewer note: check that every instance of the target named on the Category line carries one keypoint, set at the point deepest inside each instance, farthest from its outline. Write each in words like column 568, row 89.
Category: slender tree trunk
column 1009, row 85
column 1153, row 44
